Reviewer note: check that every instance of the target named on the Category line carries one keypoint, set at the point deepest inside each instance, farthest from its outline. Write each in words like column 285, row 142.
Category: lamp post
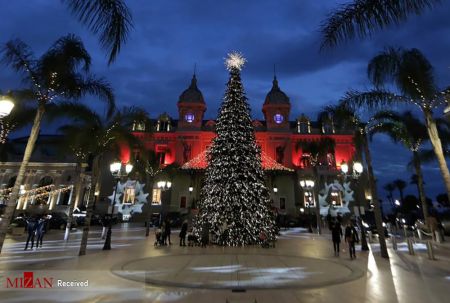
column 355, row 173
column 6, row 106
column 308, row 186
column 163, row 186
column 118, row 170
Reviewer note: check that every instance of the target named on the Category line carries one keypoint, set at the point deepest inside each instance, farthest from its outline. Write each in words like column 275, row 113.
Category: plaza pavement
column 302, row 268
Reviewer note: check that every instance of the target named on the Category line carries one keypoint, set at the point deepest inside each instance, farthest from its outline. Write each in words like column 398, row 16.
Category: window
column 156, row 197
column 183, row 202
column 278, row 118
column 138, row 126
column 304, row 128
column 129, row 194
column 161, row 157
column 335, row 197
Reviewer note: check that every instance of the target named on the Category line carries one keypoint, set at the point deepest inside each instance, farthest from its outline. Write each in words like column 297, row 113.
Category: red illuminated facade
column 184, row 141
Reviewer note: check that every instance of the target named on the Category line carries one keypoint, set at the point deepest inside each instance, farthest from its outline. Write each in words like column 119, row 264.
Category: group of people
column 350, row 236
column 163, row 233
column 36, row 228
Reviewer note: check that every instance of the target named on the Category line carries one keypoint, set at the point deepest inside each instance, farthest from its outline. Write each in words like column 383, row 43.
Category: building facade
column 183, row 141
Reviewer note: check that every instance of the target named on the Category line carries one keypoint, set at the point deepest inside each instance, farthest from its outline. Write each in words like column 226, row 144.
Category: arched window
column 164, row 123
column 303, row 125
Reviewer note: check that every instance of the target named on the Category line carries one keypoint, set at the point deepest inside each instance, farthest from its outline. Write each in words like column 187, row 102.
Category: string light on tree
column 234, row 201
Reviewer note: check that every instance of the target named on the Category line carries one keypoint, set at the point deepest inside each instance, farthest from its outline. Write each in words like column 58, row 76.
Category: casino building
column 183, row 141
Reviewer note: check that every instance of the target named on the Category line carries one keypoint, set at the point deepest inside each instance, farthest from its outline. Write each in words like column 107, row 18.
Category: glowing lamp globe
column 128, row 168
column 115, row 167
column 344, row 167
column 357, row 167
column 6, row 107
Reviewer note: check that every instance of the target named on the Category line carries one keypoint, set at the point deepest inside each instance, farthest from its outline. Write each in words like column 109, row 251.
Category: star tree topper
column 235, row 60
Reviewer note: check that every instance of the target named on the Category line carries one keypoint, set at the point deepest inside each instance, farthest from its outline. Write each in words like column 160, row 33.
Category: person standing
column 183, row 233
column 351, row 237
column 31, row 229
column 168, row 231
column 40, row 231
column 336, row 234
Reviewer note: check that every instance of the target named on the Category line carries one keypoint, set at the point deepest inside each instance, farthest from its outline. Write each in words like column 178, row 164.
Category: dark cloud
column 169, row 37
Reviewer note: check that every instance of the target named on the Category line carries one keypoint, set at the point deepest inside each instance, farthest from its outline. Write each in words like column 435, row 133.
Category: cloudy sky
column 170, row 37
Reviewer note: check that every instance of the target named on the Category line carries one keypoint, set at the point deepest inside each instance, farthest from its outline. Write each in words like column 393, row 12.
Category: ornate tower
column 276, row 108
column 191, row 107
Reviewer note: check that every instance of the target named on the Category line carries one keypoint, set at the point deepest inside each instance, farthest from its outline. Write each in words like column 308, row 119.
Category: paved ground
column 301, row 268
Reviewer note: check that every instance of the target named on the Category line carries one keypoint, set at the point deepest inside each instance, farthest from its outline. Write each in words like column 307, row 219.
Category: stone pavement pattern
column 300, row 269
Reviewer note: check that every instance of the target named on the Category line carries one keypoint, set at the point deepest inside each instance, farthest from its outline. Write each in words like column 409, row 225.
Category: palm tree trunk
column 90, row 205
column 422, row 197
column 12, row 201
column 316, row 198
column 78, row 183
column 400, row 191
column 375, row 201
column 437, row 147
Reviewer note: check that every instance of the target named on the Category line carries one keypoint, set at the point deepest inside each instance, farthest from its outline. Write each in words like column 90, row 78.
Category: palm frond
column 371, row 100
column 362, row 17
column 110, row 19
column 19, row 56
column 76, row 111
column 97, row 87
column 65, row 56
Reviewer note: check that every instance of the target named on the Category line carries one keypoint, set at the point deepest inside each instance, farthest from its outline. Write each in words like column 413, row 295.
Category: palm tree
column 345, row 118
column 400, row 185
column 107, row 134
column 411, row 133
column 317, row 151
column 361, row 18
column 389, row 187
column 412, row 74
column 110, row 19
column 60, row 73
column 415, row 181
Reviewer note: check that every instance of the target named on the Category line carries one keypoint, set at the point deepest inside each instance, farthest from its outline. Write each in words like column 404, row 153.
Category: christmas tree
column 234, row 201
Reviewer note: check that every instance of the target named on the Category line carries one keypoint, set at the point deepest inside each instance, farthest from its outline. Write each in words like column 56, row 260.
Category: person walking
column 183, row 232
column 168, row 230
column 336, row 234
column 351, row 237
column 164, row 233
column 31, row 229
column 40, row 230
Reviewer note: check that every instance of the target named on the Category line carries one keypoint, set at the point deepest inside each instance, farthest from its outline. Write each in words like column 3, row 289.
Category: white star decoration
column 140, row 198
column 235, row 60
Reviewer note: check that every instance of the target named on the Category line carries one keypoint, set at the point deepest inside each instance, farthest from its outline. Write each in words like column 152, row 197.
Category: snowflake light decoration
column 235, row 60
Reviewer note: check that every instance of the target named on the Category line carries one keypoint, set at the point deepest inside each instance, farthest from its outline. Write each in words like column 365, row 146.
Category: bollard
column 430, row 251
column 419, row 233
column 370, row 237
column 394, row 242
column 410, row 246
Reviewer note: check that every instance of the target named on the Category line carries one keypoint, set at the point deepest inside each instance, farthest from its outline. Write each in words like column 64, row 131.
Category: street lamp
column 308, row 186
column 118, row 170
column 355, row 173
column 6, row 106
column 163, row 186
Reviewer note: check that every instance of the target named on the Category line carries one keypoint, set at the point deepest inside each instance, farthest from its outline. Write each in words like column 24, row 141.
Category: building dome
column 192, row 94
column 276, row 95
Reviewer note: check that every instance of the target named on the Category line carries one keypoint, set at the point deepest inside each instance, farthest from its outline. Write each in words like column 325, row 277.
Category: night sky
column 169, row 37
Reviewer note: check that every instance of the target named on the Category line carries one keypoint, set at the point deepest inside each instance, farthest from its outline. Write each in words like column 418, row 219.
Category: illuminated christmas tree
column 235, row 203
